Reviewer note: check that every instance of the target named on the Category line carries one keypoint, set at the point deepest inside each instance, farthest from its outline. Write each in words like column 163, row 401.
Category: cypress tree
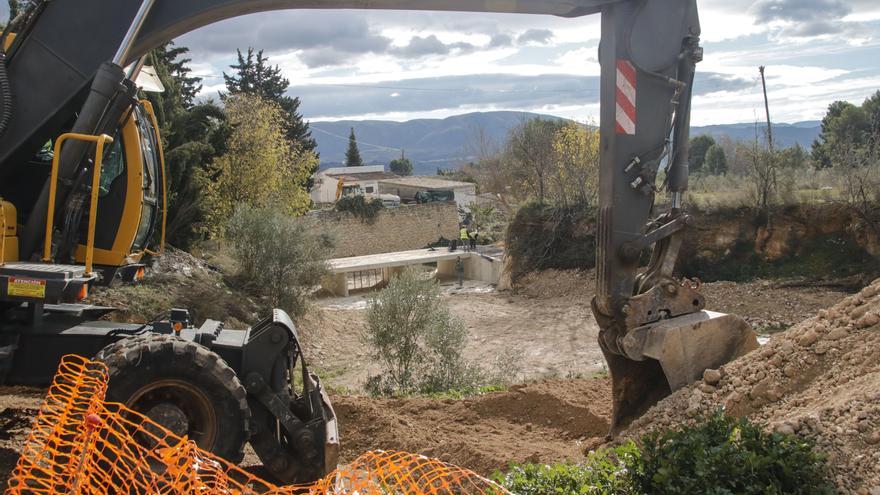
column 353, row 156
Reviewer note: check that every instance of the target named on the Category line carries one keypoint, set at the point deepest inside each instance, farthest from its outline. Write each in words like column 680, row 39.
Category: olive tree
column 416, row 339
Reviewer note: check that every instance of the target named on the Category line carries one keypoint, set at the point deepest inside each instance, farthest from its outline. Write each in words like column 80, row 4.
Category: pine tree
column 353, row 156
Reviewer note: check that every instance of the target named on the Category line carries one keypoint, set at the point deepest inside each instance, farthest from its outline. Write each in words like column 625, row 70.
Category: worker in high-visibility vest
column 463, row 236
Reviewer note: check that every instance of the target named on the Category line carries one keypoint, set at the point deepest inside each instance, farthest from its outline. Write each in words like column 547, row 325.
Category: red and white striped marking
column 626, row 97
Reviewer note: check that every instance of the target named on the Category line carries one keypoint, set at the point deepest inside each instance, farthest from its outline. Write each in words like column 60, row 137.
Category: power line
column 379, row 146
column 444, row 90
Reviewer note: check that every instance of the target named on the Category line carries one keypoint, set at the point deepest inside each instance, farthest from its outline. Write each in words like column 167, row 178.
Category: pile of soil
column 18, row 408
column 181, row 280
column 771, row 306
column 554, row 283
column 820, row 379
column 547, row 421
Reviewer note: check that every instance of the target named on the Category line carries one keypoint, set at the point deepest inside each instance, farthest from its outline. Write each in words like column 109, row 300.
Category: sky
column 401, row 65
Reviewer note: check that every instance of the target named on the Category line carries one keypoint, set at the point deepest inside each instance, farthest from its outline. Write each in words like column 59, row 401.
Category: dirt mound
column 820, row 379
column 554, row 283
column 771, row 306
column 539, row 422
column 181, row 280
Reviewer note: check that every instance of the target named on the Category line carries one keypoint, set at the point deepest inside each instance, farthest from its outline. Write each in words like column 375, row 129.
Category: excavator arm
column 66, row 71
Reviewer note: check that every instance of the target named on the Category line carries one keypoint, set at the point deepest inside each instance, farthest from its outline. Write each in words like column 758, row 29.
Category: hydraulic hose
column 5, row 95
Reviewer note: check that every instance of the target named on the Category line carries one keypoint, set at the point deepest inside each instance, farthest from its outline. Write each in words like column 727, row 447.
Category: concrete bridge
column 484, row 266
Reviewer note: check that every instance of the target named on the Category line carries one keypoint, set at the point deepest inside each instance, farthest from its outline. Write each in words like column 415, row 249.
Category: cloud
column 500, row 41
column 536, row 36
column 804, row 19
column 317, row 34
column 467, row 92
column 798, row 10
column 419, row 46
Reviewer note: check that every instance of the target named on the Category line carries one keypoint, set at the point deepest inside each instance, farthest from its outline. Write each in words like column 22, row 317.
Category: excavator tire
column 183, row 386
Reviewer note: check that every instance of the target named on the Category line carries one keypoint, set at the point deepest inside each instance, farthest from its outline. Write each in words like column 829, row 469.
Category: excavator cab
column 131, row 212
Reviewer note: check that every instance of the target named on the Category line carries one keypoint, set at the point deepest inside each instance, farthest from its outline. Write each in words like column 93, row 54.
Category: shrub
column 366, row 209
column 718, row 456
column 542, row 237
column 602, row 474
column 722, row 455
column 416, row 339
column 277, row 257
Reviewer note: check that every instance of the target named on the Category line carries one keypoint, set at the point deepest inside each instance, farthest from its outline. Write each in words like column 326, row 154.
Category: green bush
column 726, row 456
column 277, row 257
column 718, row 456
column 416, row 339
column 361, row 207
column 602, row 474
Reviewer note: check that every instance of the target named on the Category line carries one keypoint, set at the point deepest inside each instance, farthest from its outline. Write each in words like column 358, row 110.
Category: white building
column 366, row 178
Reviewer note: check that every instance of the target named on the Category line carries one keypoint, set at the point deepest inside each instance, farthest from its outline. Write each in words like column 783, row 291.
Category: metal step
column 79, row 310
column 45, row 271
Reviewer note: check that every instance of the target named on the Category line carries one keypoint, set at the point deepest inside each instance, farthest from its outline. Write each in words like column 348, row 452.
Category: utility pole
column 767, row 110
column 771, row 165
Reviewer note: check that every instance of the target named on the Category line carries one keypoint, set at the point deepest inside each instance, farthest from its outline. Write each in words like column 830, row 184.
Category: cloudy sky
column 402, row 65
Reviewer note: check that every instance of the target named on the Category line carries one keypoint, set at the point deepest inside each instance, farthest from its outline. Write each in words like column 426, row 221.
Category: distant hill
column 784, row 135
column 449, row 142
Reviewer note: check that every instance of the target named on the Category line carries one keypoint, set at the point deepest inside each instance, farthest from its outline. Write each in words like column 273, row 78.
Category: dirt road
column 548, row 323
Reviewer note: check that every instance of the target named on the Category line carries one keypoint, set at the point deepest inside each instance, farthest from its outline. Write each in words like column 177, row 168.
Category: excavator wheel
column 184, row 387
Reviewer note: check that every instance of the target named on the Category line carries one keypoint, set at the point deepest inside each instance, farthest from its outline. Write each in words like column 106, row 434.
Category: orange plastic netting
column 82, row 445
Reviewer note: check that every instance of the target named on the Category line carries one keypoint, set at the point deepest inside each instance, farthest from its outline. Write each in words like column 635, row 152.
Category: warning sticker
column 26, row 287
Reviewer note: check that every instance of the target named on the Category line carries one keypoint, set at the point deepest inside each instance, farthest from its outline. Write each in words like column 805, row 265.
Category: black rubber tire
column 209, row 386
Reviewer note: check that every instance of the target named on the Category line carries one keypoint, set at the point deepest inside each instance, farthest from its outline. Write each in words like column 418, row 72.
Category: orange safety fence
column 81, row 445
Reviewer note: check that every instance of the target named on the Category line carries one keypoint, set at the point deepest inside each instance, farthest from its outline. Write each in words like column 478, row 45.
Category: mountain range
column 447, row 143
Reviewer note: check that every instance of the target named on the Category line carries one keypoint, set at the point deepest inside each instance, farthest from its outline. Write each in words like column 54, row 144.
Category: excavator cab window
column 113, row 166
column 150, row 151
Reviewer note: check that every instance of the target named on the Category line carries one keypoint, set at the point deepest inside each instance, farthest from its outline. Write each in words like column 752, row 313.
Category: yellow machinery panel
column 9, row 227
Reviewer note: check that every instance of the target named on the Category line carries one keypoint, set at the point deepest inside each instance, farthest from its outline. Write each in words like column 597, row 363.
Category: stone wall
column 394, row 229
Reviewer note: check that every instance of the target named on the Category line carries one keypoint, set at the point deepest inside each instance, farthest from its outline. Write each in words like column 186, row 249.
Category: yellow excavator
column 90, row 211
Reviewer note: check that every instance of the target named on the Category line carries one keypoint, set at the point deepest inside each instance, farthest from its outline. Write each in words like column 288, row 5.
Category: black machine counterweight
column 70, row 69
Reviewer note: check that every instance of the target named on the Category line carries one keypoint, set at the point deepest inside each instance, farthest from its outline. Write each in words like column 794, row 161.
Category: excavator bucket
column 670, row 354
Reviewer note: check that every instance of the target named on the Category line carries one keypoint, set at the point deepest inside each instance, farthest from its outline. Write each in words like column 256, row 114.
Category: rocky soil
column 820, row 379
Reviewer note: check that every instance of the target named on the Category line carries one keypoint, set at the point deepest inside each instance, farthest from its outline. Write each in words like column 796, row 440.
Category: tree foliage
column 277, row 257
column 846, row 126
column 254, row 75
column 15, row 7
column 365, row 209
column 723, row 455
column 761, row 172
column 530, row 158
column 716, row 161
column 575, row 176
column 260, row 167
column 401, row 166
column 192, row 135
column 719, row 455
column 416, row 339
column 352, row 154
column 849, row 143
column 699, row 147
